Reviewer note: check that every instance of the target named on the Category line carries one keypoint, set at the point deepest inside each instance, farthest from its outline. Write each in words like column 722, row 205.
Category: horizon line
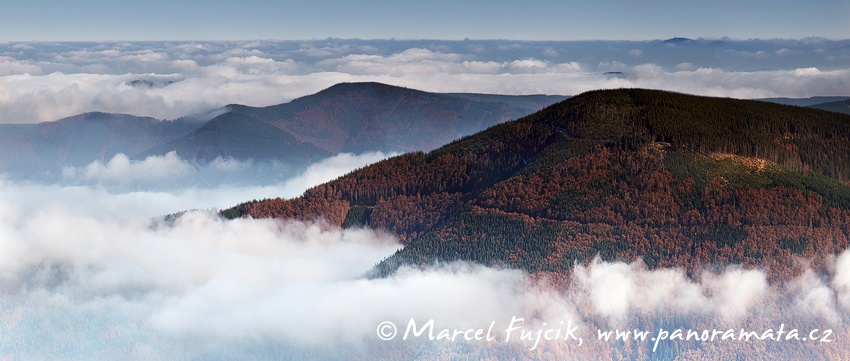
column 701, row 38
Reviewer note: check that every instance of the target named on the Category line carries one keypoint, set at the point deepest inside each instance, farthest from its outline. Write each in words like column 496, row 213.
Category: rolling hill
column 45, row 148
column 841, row 106
column 350, row 117
column 675, row 180
column 805, row 102
column 360, row 117
column 833, row 104
column 239, row 136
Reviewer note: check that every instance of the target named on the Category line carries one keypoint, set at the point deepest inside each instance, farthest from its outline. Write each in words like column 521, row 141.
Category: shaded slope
column 837, row 106
column 81, row 139
column 530, row 103
column 673, row 179
column 351, row 117
column 236, row 135
column 359, row 117
column 804, row 102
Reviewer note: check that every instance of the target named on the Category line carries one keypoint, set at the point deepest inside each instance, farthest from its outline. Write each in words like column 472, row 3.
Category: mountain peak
column 363, row 85
column 679, row 41
column 367, row 87
column 370, row 116
column 677, row 180
column 632, row 116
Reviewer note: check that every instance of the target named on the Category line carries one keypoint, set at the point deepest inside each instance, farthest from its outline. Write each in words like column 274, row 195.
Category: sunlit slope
column 673, row 179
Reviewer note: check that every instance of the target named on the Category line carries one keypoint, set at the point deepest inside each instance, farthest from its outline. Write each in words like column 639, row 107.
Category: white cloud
column 784, row 52
column 684, row 67
column 736, row 292
column 203, row 280
column 10, row 66
column 618, row 290
column 804, row 72
column 813, row 297
column 528, row 66
column 329, row 169
column 228, row 165
column 71, row 264
column 227, row 176
column 550, row 52
column 61, row 83
column 164, row 184
column 841, row 281
column 121, row 169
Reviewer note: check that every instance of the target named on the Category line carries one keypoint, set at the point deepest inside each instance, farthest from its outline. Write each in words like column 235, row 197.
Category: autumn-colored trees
column 671, row 179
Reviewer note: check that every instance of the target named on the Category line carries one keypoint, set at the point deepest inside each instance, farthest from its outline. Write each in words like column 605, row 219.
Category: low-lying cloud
column 170, row 173
column 120, row 169
column 90, row 270
column 82, row 280
column 329, row 169
column 45, row 82
column 122, row 188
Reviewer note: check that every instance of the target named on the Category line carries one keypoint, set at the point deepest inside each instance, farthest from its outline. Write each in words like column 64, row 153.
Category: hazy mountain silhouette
column 352, row 117
column 359, row 117
column 840, row 106
column 805, row 102
column 82, row 139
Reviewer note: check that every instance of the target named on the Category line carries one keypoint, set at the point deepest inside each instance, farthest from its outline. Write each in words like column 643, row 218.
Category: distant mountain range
column 805, row 102
column 348, row 117
column 675, row 180
column 839, row 106
column 45, row 148
column 351, row 117
column 359, row 117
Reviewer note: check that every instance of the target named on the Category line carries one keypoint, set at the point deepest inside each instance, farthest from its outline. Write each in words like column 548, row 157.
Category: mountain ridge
column 377, row 116
column 81, row 139
column 840, row 106
column 46, row 148
column 673, row 179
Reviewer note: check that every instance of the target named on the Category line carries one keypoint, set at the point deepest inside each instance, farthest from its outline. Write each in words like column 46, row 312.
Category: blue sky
column 95, row 20
column 205, row 54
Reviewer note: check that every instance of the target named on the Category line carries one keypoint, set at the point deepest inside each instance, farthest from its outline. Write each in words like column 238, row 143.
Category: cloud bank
column 121, row 169
column 88, row 269
column 80, row 280
column 47, row 81
column 220, row 183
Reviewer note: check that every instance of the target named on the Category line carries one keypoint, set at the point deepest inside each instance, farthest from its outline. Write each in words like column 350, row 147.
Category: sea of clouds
column 46, row 81
column 90, row 270
column 93, row 272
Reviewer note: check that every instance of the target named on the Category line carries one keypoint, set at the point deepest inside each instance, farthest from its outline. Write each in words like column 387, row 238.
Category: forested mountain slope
column 673, row 179
column 360, row 117
column 347, row 117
